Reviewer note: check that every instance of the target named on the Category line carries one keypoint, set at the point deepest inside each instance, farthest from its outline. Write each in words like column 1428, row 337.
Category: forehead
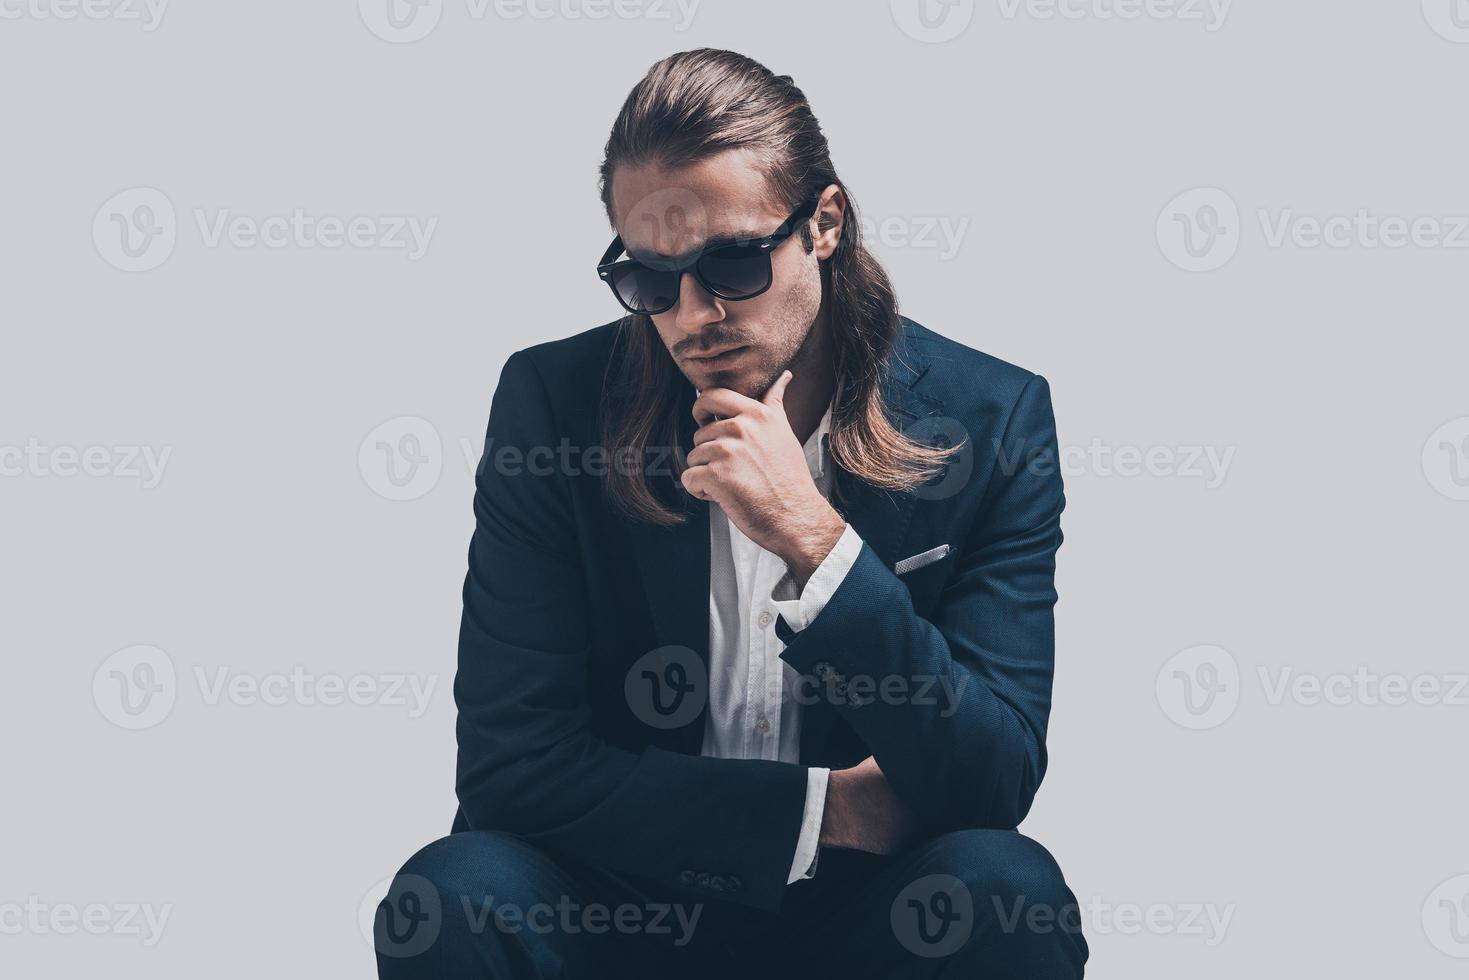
column 671, row 212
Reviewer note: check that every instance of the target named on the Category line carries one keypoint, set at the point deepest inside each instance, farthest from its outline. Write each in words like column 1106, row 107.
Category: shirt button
column 765, row 620
column 762, row 726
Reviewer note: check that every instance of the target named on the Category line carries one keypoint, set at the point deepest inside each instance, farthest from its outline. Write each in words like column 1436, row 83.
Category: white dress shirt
column 752, row 713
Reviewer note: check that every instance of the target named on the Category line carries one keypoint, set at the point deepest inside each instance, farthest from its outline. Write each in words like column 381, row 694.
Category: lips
column 717, row 353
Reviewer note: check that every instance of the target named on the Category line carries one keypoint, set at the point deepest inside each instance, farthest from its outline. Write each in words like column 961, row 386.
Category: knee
column 441, row 897
column 1002, row 867
column 1021, row 912
column 474, row 863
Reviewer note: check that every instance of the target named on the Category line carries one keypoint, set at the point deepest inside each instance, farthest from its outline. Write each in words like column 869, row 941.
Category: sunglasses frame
column 767, row 244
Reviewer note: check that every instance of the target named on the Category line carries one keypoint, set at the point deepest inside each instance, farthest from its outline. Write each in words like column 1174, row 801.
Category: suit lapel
column 673, row 563
column 880, row 517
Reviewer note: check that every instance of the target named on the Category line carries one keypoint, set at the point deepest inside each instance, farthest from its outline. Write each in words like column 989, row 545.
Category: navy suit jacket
column 564, row 594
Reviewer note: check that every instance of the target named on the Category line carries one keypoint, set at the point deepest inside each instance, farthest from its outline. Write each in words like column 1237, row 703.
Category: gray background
column 1333, row 542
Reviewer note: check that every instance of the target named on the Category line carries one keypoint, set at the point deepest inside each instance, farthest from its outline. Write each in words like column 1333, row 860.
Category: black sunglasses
column 738, row 269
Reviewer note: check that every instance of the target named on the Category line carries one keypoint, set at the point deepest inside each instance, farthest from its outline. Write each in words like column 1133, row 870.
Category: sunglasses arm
column 613, row 251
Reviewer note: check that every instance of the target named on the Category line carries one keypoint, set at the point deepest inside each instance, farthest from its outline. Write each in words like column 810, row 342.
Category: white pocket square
column 919, row 560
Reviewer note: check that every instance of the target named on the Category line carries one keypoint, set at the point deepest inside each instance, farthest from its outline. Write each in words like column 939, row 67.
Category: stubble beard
column 794, row 327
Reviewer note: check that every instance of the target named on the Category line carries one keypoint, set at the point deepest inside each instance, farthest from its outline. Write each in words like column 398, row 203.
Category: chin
column 750, row 382
column 739, row 381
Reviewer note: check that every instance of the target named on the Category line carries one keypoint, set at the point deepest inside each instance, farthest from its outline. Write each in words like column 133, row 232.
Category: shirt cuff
column 804, row 865
column 799, row 610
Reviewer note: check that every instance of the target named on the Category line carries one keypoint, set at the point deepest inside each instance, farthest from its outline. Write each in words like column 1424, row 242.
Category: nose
column 696, row 307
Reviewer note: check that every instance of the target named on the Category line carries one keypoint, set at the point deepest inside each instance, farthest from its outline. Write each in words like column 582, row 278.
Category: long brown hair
column 693, row 105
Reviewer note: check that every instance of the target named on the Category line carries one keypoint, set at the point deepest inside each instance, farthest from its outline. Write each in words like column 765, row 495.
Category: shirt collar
column 816, row 446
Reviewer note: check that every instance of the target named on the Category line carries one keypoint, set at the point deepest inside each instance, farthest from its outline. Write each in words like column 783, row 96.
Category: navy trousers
column 986, row 904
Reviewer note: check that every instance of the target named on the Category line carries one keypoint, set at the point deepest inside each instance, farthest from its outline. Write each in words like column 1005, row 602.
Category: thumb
column 777, row 393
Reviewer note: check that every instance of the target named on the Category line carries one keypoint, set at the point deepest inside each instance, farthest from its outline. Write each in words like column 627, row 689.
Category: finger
column 698, row 482
column 700, row 455
column 775, row 397
column 715, row 430
column 721, row 403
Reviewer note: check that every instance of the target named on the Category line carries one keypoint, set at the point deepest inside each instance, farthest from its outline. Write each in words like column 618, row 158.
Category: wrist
column 833, row 814
column 813, row 542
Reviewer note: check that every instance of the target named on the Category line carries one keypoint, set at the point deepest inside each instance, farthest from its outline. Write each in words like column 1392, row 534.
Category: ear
column 831, row 222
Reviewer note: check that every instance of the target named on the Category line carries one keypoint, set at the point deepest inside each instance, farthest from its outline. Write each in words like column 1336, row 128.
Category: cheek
column 667, row 333
column 793, row 285
column 801, row 298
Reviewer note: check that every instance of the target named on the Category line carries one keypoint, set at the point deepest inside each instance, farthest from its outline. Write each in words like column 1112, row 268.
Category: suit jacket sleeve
column 975, row 754
column 529, row 760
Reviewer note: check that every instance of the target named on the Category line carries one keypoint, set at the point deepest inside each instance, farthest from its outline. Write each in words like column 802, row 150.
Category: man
column 756, row 654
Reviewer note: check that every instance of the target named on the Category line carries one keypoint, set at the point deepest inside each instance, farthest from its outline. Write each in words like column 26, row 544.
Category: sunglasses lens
column 643, row 289
column 736, row 271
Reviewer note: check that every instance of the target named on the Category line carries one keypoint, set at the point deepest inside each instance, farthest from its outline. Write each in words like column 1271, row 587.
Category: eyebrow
column 718, row 241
